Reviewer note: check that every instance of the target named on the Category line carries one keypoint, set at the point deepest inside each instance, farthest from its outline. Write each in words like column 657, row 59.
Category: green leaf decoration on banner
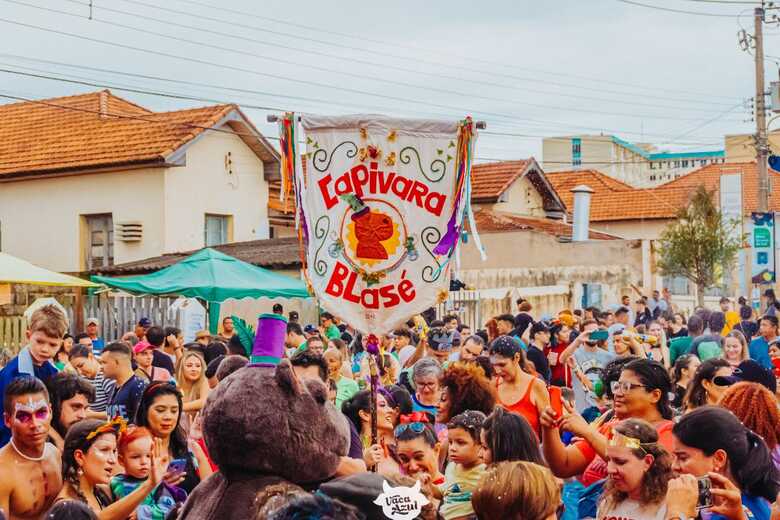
column 449, row 157
column 308, row 140
column 438, row 167
column 451, row 145
column 439, row 151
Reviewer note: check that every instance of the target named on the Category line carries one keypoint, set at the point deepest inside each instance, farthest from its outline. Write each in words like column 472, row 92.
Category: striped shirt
column 103, row 390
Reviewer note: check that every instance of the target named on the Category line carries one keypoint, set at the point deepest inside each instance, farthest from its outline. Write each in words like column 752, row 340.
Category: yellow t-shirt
column 732, row 319
column 458, row 486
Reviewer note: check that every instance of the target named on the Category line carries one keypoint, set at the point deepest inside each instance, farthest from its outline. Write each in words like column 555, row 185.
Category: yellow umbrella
column 16, row 270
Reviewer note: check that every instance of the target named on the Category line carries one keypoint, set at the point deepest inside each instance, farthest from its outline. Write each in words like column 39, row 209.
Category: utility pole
column 762, row 149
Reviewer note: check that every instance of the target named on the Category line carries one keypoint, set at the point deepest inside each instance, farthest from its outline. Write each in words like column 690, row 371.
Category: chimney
column 581, row 217
column 103, row 104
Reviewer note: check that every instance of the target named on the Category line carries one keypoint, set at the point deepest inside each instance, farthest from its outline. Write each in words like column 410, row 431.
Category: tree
column 699, row 245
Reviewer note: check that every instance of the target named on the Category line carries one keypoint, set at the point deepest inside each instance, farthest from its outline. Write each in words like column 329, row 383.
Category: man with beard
column 30, row 487
column 70, row 396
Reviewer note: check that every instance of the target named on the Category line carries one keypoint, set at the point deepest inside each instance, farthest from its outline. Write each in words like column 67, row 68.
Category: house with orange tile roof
column 92, row 180
column 643, row 213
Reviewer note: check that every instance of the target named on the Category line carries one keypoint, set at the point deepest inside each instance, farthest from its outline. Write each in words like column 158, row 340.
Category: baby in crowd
column 135, row 455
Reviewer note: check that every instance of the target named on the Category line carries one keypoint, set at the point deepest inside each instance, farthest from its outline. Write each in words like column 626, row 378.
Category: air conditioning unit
column 129, row 231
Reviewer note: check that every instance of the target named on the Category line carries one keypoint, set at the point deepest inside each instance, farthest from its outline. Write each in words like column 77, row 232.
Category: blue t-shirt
column 10, row 371
column 759, row 352
column 756, row 508
column 417, row 406
column 124, row 401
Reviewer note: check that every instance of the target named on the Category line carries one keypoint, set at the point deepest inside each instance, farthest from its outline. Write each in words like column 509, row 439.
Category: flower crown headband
column 117, row 425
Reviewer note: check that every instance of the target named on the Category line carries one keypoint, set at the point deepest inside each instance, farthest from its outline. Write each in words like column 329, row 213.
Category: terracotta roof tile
column 497, row 221
column 83, row 132
column 614, row 200
column 489, row 180
column 275, row 253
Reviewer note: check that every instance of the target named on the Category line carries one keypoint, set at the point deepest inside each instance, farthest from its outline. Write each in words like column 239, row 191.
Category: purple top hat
column 268, row 348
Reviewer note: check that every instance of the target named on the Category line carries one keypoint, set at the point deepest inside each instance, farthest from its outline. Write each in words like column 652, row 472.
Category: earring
column 79, row 472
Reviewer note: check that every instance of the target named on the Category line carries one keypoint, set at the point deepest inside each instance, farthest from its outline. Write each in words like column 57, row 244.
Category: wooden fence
column 12, row 330
column 119, row 314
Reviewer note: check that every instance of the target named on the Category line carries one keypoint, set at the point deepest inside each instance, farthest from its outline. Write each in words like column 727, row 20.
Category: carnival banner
column 381, row 206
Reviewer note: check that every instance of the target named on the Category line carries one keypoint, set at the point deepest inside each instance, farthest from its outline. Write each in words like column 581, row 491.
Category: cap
column 310, row 329
column 145, row 323
column 141, row 346
column 202, row 334
column 540, row 326
column 752, row 372
column 90, row 321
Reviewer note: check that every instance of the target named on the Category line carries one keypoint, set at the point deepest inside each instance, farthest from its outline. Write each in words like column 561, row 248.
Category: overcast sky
column 536, row 68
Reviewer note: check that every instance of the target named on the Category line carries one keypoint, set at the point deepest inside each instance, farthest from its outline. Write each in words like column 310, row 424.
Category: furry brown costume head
column 267, row 421
column 263, row 426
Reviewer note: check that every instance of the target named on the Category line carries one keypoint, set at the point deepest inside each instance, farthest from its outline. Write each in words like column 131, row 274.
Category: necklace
column 34, row 459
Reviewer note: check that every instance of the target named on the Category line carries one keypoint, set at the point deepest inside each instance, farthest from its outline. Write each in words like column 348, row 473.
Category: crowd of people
column 636, row 412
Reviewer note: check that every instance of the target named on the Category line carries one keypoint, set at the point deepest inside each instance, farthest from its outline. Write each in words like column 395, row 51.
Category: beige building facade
column 210, row 187
column 636, row 164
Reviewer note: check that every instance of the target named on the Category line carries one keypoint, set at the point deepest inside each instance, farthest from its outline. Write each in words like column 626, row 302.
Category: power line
column 502, row 116
column 679, row 11
column 103, row 84
column 385, row 80
column 98, row 84
column 153, row 119
column 352, row 60
column 740, row 2
column 364, row 39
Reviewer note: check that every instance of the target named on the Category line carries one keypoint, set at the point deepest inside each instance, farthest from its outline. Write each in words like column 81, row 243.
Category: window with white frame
column 216, row 231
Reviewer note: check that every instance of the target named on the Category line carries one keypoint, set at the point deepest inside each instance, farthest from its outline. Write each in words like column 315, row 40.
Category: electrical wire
column 502, row 116
column 371, row 63
column 103, row 84
column 679, row 11
column 448, row 54
column 154, row 119
column 384, row 79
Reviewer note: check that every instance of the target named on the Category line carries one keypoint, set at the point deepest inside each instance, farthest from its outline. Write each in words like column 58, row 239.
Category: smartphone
column 705, row 493
column 556, row 400
column 598, row 335
column 177, row 465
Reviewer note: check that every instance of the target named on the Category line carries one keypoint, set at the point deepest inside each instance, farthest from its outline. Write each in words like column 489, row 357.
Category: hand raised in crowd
column 726, row 497
column 682, row 494
column 160, row 460
column 373, row 455
column 573, row 422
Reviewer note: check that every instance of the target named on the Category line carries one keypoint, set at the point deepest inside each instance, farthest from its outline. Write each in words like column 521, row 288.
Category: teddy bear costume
column 265, row 429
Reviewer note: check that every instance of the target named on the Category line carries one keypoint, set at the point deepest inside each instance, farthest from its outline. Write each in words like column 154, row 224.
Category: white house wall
column 205, row 186
column 40, row 218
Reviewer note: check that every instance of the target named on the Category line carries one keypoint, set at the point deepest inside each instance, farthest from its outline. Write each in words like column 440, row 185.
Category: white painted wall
column 204, row 186
column 40, row 218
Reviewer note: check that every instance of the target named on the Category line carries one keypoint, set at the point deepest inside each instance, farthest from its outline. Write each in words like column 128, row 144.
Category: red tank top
column 525, row 408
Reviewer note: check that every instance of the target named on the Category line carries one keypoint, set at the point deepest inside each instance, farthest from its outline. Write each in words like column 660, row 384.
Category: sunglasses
column 416, row 427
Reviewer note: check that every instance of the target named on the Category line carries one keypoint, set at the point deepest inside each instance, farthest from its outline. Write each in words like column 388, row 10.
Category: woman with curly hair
column 756, row 407
column 464, row 386
column 638, row 473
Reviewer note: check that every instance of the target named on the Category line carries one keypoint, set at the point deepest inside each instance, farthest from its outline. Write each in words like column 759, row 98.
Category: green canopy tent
column 211, row 276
